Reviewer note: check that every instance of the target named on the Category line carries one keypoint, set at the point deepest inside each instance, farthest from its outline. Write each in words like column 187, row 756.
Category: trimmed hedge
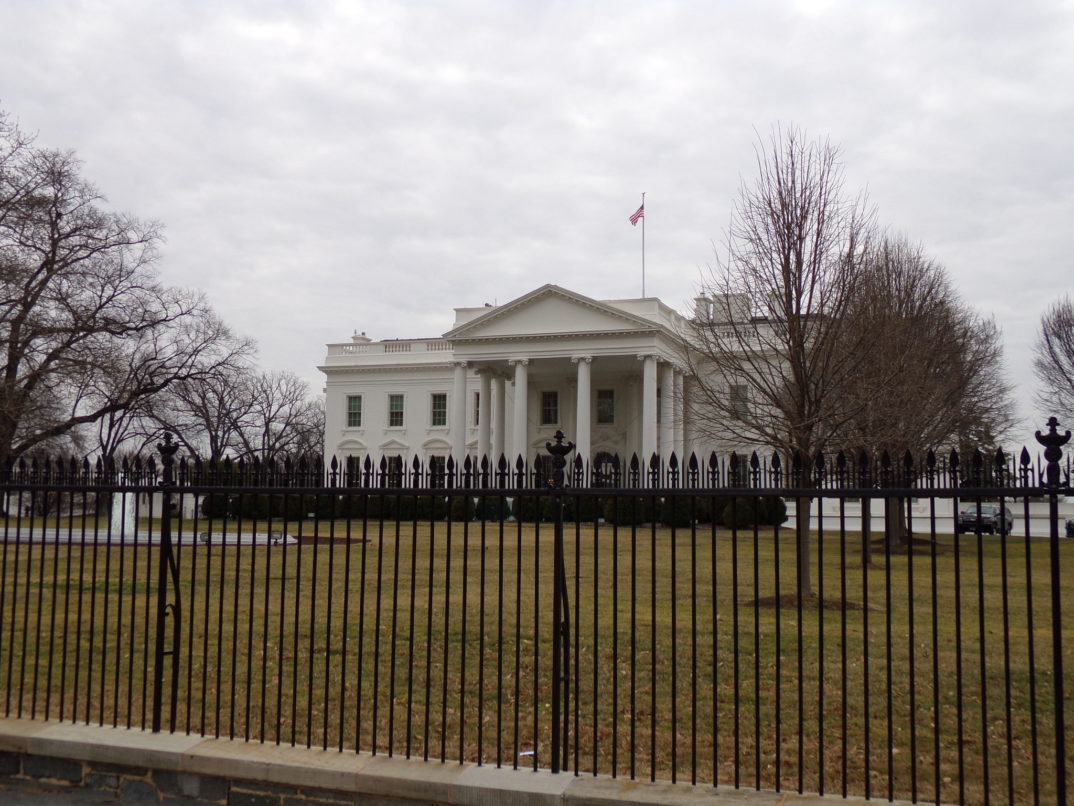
column 493, row 508
column 677, row 510
column 630, row 510
column 749, row 511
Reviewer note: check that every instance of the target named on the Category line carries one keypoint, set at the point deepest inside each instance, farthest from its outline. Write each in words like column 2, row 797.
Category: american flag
column 639, row 214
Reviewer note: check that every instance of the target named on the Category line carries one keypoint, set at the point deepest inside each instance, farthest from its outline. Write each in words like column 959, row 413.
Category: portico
column 609, row 374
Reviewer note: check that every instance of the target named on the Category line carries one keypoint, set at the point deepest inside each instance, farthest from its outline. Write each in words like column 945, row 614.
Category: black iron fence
column 650, row 622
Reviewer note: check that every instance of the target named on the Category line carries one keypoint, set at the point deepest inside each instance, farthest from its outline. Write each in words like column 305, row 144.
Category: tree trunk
column 895, row 524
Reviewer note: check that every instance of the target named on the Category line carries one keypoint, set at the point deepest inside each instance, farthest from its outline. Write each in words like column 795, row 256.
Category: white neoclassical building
column 505, row 378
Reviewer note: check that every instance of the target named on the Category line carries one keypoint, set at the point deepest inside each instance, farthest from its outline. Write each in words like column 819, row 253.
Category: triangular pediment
column 549, row 311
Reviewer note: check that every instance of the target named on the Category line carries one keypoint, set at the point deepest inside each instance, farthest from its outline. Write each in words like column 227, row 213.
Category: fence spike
column 863, row 468
column 820, row 469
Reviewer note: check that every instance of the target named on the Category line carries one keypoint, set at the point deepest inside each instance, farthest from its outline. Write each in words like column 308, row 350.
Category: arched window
column 605, row 470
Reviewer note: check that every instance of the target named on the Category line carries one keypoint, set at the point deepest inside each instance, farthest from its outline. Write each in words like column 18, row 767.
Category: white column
column 123, row 522
column 648, row 410
column 484, row 415
column 458, row 414
column 583, row 407
column 689, row 435
column 679, row 421
column 667, row 410
column 568, row 420
column 500, row 418
column 520, row 432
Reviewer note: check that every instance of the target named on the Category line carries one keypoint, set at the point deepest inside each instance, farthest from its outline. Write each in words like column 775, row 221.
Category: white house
column 505, row 378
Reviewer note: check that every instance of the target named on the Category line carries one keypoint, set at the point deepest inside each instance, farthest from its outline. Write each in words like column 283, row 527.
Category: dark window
column 605, row 470
column 549, row 408
column 740, row 401
column 437, row 470
column 605, row 406
column 394, row 472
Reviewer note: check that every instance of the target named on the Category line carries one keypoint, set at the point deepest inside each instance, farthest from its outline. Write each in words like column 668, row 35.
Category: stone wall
column 97, row 765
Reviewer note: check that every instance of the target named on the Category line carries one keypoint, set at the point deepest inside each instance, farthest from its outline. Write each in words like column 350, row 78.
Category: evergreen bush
column 749, row 511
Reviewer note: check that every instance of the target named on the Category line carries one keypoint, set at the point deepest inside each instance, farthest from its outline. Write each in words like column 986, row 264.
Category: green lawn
column 408, row 638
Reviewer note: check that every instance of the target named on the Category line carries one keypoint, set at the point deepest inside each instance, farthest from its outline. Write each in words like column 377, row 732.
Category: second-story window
column 605, row 406
column 740, row 401
column 354, row 411
column 549, row 408
column 438, row 414
column 395, row 411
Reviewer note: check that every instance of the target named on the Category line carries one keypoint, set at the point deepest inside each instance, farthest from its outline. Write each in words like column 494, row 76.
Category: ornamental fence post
column 166, row 567
column 1053, row 443
column 561, row 630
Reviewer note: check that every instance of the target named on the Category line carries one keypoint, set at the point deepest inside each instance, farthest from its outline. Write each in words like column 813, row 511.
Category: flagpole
column 643, row 245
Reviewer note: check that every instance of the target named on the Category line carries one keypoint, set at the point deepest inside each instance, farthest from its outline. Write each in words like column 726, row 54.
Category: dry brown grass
column 423, row 641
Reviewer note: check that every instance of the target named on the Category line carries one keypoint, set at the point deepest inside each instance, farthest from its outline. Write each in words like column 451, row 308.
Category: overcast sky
column 328, row 167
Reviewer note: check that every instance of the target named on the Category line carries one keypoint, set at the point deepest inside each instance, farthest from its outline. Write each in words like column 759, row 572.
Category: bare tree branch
column 86, row 328
column 1053, row 360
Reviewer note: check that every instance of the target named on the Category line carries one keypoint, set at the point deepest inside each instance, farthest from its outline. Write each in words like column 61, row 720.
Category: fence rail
column 675, row 631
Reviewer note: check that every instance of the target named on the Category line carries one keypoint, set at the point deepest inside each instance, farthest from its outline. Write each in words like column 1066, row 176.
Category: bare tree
column 240, row 411
column 1053, row 360
column 206, row 414
column 282, row 419
column 932, row 374
column 933, row 370
column 86, row 328
column 770, row 356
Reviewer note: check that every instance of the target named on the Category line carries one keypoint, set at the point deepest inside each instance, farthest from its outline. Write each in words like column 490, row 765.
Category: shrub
column 493, row 508
column 744, row 512
column 582, row 508
column 531, row 508
column 681, row 511
column 431, row 508
column 214, row 505
column 462, row 508
column 629, row 510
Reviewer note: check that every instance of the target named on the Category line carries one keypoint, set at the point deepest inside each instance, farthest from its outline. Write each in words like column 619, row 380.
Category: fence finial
column 167, row 450
column 559, row 453
column 1052, row 442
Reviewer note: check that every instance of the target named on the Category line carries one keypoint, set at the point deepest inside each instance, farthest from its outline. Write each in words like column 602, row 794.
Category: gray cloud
column 323, row 167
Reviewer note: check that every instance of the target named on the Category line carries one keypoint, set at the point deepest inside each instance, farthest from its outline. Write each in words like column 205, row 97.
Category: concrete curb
column 287, row 774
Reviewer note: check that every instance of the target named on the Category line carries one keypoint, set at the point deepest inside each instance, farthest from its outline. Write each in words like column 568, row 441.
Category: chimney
column 702, row 311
